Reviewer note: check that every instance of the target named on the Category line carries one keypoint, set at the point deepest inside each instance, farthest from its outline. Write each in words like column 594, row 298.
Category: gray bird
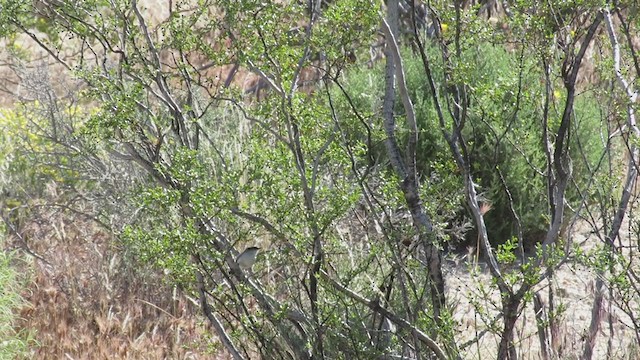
column 247, row 258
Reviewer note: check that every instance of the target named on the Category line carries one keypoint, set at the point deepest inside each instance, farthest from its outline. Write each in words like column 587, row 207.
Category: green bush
column 503, row 135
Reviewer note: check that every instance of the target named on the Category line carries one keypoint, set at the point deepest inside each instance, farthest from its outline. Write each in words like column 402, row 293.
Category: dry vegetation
column 88, row 302
column 574, row 288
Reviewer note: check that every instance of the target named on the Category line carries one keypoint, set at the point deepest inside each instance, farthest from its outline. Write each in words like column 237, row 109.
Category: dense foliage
column 359, row 145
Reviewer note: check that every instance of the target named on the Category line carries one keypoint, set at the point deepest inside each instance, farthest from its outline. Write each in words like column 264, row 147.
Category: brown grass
column 88, row 303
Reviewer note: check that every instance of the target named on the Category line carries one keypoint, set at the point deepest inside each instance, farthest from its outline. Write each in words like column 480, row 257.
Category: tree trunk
column 507, row 349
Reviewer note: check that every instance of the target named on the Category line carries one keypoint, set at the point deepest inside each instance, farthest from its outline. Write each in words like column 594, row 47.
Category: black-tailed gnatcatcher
column 248, row 257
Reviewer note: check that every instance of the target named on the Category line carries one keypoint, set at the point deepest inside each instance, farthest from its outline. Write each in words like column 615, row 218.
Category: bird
column 247, row 258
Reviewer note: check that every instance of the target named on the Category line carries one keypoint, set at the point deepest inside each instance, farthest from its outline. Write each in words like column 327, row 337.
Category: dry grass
column 574, row 289
column 88, row 303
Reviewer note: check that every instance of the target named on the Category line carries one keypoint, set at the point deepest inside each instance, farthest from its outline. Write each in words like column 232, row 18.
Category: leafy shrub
column 503, row 134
